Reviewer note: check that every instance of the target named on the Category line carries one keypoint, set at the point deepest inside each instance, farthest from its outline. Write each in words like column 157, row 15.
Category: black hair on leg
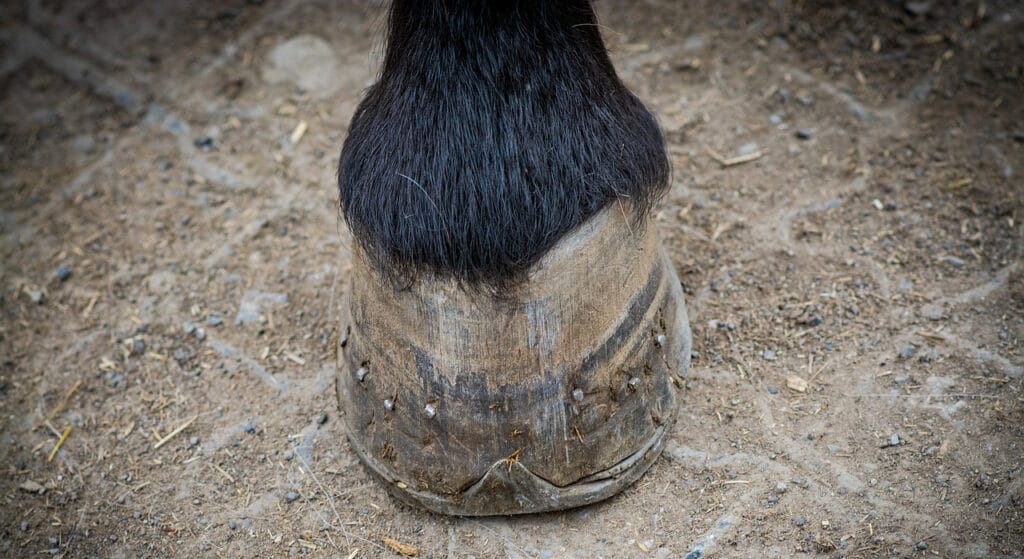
column 496, row 127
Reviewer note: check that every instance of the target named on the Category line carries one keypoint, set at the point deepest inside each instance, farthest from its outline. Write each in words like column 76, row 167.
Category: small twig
column 60, row 441
column 738, row 160
column 173, row 433
column 955, row 185
column 64, row 402
column 223, row 473
column 931, row 335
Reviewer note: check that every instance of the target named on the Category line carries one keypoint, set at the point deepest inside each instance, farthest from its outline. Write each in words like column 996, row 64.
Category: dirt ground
column 172, row 261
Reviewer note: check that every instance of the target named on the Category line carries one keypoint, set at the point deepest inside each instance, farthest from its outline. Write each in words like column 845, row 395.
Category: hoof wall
column 552, row 396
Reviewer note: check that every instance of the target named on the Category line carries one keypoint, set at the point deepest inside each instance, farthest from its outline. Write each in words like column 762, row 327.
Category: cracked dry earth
column 172, row 256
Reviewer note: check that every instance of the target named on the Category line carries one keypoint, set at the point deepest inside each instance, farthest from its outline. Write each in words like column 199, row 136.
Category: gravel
column 747, row 149
column 253, row 302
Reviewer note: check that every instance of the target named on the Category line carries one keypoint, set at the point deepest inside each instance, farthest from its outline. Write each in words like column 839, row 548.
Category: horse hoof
column 555, row 394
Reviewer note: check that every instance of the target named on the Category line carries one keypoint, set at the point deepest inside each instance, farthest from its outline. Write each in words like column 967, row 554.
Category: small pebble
column 800, row 521
column 768, row 355
column 773, row 390
column 901, row 379
column 854, row 310
column 890, row 206
column 136, row 515
column 203, row 142
column 321, row 419
column 180, row 355
column 62, row 273
column 780, row 487
column 772, row 499
column 291, row 496
column 954, row 261
column 232, row 524
column 907, row 351
column 36, row 296
column 803, row 134
column 138, row 346
column 918, row 9
column 24, row 526
column 214, row 320
column 747, row 149
column 193, row 442
column 894, row 440
column 289, row 454
column 921, row 546
column 774, row 119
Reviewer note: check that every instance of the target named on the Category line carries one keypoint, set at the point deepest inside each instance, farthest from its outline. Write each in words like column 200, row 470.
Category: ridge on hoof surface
column 552, row 395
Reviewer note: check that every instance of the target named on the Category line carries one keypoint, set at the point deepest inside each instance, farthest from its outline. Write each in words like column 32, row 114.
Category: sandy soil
column 172, row 257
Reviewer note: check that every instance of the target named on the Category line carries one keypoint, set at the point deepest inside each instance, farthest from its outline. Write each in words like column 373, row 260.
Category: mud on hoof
column 554, row 395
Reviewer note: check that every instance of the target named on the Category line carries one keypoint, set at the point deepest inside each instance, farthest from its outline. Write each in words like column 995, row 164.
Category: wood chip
column 31, row 486
column 401, row 548
column 796, row 383
column 299, row 132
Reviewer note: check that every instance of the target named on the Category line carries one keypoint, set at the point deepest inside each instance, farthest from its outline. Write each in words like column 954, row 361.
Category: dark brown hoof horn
column 555, row 395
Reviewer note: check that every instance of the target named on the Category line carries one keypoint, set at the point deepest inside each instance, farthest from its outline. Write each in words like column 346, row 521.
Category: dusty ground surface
column 855, row 288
